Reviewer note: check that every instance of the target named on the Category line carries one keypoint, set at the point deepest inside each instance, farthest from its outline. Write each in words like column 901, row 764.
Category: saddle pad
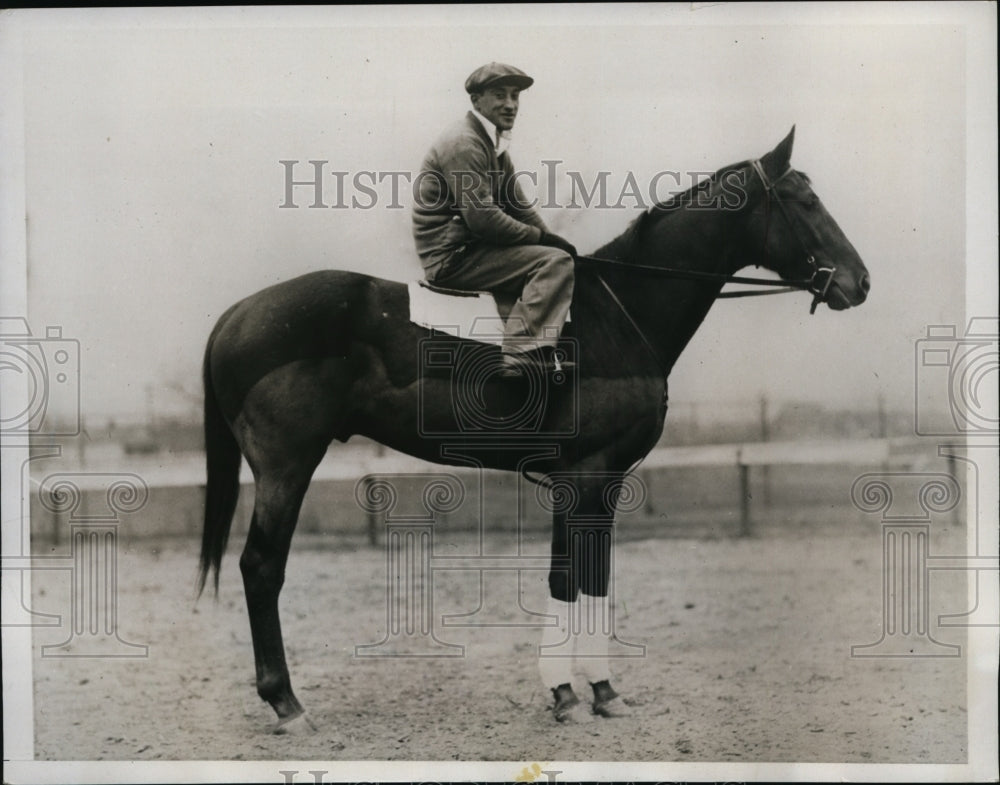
column 472, row 315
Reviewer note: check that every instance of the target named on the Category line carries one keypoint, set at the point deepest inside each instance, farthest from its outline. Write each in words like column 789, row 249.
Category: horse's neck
column 670, row 310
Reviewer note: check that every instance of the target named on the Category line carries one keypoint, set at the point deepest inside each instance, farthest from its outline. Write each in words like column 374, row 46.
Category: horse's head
column 792, row 233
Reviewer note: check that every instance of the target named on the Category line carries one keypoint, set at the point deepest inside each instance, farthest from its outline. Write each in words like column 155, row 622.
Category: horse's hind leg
column 276, row 509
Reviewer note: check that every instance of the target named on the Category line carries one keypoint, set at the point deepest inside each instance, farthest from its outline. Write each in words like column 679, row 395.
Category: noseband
column 822, row 277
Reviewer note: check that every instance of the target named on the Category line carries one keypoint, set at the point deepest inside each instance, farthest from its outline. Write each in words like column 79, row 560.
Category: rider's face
column 498, row 104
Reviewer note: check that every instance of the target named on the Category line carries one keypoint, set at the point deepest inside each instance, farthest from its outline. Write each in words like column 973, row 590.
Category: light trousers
column 538, row 278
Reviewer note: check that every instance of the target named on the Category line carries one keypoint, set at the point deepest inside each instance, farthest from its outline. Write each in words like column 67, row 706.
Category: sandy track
column 747, row 659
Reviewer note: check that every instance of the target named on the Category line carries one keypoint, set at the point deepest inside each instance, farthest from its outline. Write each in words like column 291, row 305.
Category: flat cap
column 496, row 74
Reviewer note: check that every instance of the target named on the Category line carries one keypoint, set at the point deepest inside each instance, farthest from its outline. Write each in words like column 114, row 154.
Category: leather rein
column 818, row 283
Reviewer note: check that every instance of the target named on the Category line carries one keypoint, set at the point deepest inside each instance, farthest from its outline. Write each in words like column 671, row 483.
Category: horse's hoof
column 611, row 708
column 577, row 714
column 568, row 708
column 299, row 725
column 607, row 702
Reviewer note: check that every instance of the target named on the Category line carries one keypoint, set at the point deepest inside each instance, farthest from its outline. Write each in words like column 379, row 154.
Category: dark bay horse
column 331, row 354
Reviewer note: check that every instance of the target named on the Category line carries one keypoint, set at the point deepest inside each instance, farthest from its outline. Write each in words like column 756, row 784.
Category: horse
column 331, row 354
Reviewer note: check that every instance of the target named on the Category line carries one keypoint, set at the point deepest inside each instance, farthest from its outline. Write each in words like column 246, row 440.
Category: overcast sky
column 153, row 183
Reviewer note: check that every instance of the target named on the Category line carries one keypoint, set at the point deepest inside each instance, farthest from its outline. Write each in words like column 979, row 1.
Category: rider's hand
column 555, row 241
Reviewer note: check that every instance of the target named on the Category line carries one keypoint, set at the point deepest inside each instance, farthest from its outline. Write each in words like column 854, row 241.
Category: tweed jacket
column 466, row 194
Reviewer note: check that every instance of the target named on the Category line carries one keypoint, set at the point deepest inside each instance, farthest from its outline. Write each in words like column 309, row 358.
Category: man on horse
column 475, row 231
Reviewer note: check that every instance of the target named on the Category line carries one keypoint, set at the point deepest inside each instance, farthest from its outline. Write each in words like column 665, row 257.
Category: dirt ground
column 747, row 658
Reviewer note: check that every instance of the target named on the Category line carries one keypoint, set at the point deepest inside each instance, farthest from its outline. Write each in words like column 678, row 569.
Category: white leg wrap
column 556, row 654
column 591, row 636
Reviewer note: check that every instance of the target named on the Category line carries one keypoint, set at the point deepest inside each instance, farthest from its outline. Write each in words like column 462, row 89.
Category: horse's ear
column 780, row 157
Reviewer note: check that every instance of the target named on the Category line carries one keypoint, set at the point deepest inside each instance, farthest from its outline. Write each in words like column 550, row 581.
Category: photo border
column 979, row 22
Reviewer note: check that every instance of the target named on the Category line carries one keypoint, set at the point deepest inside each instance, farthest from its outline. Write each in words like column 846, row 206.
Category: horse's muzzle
column 839, row 297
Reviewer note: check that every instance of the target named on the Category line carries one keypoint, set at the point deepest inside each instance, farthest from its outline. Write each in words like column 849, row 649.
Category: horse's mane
column 686, row 197
column 622, row 246
column 679, row 200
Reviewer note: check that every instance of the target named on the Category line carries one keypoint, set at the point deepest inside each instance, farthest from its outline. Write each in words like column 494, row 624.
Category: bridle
column 814, row 284
column 818, row 284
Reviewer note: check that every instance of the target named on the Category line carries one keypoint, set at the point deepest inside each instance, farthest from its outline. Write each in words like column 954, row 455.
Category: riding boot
column 544, row 361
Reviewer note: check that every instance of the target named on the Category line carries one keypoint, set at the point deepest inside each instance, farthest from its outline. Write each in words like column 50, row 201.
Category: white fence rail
column 355, row 464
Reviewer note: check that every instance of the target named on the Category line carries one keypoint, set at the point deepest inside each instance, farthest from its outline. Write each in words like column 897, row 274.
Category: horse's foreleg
column 592, row 627
column 555, row 655
column 579, row 579
column 263, row 562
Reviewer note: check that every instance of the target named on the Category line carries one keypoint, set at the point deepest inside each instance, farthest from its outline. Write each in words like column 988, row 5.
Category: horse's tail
column 222, row 487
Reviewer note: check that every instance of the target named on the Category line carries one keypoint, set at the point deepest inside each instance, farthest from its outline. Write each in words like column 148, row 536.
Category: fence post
column 647, row 479
column 883, row 426
column 745, row 527
column 765, row 436
column 956, row 512
column 56, row 523
column 372, row 516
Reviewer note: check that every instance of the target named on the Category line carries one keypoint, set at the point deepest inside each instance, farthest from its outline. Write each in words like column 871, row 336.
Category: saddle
column 475, row 316
column 478, row 316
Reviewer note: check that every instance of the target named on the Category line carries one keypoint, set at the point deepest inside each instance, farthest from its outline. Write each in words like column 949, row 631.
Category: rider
column 475, row 231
